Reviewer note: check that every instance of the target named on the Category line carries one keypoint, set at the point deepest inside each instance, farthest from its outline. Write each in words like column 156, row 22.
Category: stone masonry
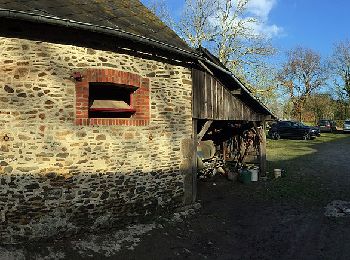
column 58, row 176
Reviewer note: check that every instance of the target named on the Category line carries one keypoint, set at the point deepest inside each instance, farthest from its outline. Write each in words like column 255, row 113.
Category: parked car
column 315, row 130
column 327, row 125
column 346, row 126
column 292, row 129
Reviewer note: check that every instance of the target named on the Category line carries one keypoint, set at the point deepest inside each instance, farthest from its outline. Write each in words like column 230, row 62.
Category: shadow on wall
column 58, row 177
column 41, row 206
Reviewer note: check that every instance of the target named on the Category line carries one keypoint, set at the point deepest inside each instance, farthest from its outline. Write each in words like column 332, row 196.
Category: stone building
column 96, row 116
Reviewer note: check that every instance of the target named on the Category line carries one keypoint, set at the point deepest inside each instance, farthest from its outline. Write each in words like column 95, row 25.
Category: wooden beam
column 203, row 130
column 236, row 91
column 205, row 67
column 224, row 150
column 194, row 160
column 188, row 165
column 268, row 117
column 262, row 150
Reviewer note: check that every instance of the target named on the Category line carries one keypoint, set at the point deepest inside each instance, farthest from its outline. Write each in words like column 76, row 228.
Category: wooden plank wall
column 211, row 100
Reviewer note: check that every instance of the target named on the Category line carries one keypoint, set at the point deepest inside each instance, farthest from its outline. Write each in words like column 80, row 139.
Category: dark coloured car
column 327, row 125
column 346, row 126
column 316, row 130
column 292, row 129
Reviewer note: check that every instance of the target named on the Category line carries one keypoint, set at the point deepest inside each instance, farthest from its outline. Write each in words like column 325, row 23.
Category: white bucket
column 277, row 173
column 254, row 172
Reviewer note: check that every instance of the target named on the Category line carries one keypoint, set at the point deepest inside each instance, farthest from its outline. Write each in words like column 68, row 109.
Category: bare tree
column 262, row 81
column 302, row 74
column 340, row 66
column 225, row 28
column 161, row 10
column 195, row 25
column 228, row 30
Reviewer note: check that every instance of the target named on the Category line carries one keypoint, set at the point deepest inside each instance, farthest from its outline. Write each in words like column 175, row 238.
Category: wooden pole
column 194, row 160
column 224, row 150
column 262, row 150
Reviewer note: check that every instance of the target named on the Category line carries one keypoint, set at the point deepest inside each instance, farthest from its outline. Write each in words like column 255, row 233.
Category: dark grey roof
column 128, row 15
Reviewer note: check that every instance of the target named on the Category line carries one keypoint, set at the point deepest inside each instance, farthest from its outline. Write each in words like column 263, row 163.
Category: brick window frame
column 141, row 97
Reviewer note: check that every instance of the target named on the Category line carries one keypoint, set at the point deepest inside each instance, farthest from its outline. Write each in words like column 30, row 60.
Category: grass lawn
column 286, row 149
column 304, row 181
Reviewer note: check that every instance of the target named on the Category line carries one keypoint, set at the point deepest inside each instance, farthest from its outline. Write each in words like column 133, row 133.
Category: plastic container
column 245, row 176
column 277, row 173
column 254, row 172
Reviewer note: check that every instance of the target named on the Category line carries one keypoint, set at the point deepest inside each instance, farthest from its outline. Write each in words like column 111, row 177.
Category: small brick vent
column 140, row 97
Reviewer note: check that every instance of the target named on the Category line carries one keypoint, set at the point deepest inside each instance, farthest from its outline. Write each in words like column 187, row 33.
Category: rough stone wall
column 57, row 176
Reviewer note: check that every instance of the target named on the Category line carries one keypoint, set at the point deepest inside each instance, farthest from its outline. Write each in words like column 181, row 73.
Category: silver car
column 346, row 126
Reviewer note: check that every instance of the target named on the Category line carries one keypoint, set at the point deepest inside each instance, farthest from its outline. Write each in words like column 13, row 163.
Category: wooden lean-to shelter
column 225, row 110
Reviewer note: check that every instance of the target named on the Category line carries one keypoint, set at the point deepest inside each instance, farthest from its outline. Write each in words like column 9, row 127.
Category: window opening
column 109, row 100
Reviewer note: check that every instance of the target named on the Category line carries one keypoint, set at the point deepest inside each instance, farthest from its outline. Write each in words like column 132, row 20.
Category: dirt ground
column 265, row 220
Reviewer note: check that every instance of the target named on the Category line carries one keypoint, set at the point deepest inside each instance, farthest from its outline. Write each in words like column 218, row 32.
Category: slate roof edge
column 54, row 20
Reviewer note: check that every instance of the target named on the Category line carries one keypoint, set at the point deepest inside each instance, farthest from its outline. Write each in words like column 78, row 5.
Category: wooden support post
column 189, row 165
column 203, row 130
column 194, row 160
column 262, row 150
column 224, row 150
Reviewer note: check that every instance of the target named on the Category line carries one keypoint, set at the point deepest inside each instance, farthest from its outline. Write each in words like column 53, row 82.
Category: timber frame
column 218, row 96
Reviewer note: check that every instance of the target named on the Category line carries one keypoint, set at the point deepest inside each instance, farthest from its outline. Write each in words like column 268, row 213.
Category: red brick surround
column 140, row 97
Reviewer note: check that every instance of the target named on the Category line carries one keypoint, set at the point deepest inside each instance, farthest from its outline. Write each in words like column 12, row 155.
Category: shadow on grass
column 316, row 170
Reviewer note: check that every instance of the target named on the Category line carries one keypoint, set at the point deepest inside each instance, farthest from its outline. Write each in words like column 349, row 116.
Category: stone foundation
column 35, row 206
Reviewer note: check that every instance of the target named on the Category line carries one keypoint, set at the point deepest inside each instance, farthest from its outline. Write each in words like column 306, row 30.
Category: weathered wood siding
column 211, row 100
